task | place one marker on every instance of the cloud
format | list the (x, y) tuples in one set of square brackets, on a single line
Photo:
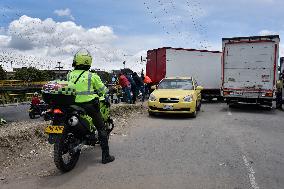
[(42, 43), (268, 32), (64, 13)]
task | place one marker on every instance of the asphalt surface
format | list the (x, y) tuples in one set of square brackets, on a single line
[(236, 148), (13, 113)]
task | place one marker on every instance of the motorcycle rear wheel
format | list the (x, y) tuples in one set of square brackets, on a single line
[(61, 149)]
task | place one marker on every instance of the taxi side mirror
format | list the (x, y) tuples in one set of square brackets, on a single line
[(154, 87), (199, 88)]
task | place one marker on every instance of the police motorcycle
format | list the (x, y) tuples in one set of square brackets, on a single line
[(71, 128)]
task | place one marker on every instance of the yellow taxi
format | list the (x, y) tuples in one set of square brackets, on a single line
[(176, 95)]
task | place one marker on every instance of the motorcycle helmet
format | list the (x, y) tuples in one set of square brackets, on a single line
[(82, 58)]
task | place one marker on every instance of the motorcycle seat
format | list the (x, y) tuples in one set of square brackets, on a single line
[(78, 108)]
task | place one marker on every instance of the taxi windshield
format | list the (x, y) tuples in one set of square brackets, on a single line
[(184, 84)]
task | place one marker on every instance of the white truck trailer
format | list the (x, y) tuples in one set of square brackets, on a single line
[(203, 65), (249, 69)]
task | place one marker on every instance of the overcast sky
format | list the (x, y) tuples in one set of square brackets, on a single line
[(41, 33)]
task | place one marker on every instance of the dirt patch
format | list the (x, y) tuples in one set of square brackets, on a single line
[(25, 152)]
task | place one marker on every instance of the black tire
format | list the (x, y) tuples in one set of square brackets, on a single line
[(199, 106), (193, 115), (151, 114), (232, 105), (60, 148), (31, 115), (220, 99)]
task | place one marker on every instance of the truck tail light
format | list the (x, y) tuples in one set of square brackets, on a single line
[(269, 94), (226, 93)]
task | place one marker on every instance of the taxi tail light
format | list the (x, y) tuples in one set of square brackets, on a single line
[(57, 111)]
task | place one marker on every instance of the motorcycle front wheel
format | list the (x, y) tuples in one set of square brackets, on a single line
[(31, 115), (65, 158)]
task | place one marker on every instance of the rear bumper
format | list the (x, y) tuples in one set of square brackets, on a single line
[(263, 101)]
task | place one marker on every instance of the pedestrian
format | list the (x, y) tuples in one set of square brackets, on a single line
[(133, 88), (139, 85), (125, 85), (148, 83)]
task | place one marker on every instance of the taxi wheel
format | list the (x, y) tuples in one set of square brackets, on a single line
[(193, 114), (151, 113), (199, 106)]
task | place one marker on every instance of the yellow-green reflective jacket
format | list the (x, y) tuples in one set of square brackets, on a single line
[(88, 87)]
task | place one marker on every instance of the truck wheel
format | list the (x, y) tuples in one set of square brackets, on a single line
[(278, 105), (220, 99), (232, 105)]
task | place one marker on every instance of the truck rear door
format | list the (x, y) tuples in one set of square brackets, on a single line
[(249, 66)]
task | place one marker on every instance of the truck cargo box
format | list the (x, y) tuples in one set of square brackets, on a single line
[(203, 65), (249, 69)]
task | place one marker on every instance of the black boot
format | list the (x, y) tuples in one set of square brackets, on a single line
[(106, 158)]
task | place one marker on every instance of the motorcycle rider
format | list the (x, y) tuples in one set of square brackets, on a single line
[(35, 99), (35, 102), (89, 88)]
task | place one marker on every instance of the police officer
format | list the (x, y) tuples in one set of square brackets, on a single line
[(89, 88)]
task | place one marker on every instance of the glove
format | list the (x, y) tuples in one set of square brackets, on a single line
[(107, 100)]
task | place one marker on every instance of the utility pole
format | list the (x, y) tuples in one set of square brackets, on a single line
[(123, 64), (59, 67)]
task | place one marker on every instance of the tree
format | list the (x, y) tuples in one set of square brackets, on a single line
[(33, 74), (3, 73), (105, 76)]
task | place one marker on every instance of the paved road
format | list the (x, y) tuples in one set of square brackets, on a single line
[(222, 148), (14, 113)]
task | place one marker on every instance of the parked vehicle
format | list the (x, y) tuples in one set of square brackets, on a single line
[(71, 126), (176, 95), (249, 69), (203, 65), (280, 91)]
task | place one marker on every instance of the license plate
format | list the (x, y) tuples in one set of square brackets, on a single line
[(51, 129), (238, 93), (168, 107)]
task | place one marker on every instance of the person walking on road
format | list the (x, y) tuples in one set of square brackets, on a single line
[(139, 85), (125, 85), (148, 84), (133, 88)]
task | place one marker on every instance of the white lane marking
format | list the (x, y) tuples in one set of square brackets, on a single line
[(230, 113), (251, 173)]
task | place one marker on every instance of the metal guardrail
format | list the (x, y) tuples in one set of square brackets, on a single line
[(20, 83)]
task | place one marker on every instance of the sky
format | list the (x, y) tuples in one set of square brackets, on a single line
[(42, 33)]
